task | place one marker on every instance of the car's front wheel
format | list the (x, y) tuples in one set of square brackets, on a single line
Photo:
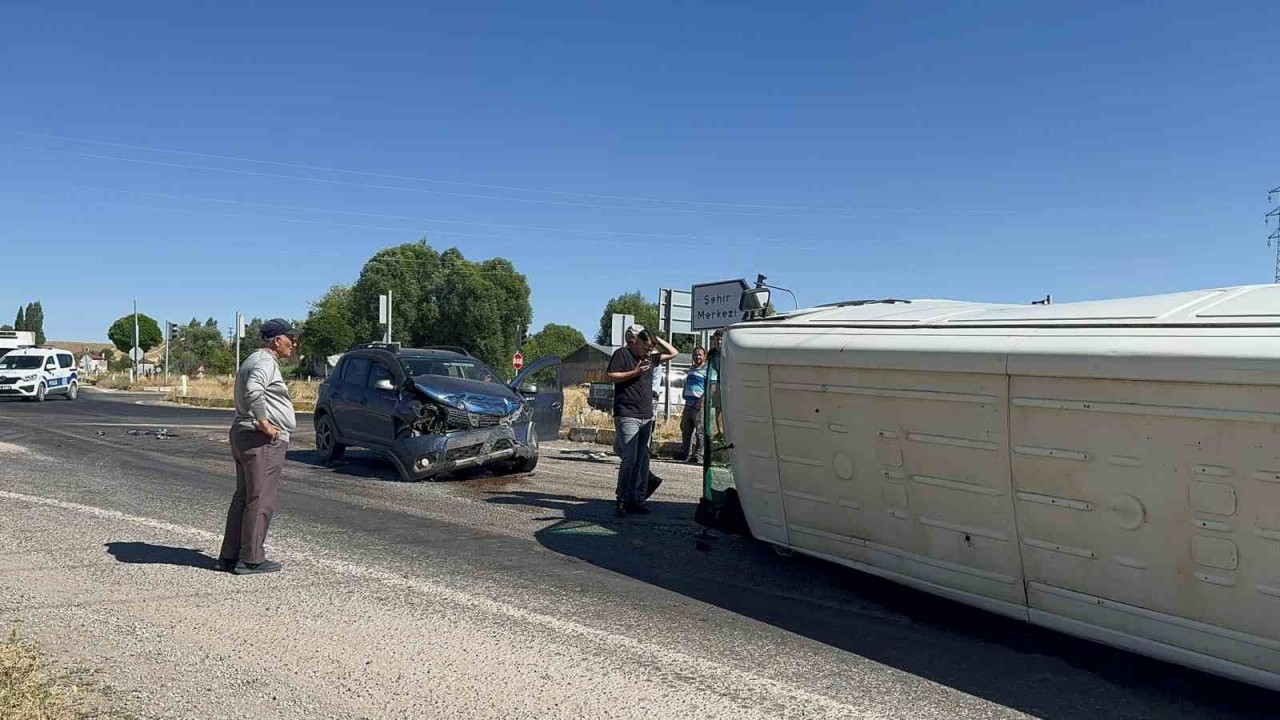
[(73, 392), (526, 465), (327, 440), (40, 393)]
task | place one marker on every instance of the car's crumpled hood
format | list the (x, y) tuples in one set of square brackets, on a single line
[(475, 396)]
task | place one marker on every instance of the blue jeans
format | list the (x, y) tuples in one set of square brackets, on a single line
[(632, 445)]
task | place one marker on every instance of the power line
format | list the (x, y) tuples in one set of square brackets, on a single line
[(319, 168), (323, 181), (446, 233), (758, 242)]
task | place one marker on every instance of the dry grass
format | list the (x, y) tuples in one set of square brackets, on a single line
[(577, 413), (220, 392), (33, 688), (114, 381)]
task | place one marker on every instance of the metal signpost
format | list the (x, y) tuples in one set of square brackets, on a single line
[(239, 334), (384, 314)]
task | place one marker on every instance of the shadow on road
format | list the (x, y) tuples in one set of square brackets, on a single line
[(1011, 663), (148, 554), (367, 465)]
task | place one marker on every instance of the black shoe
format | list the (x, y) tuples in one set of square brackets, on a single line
[(225, 565), (619, 509), (266, 566), (637, 508)]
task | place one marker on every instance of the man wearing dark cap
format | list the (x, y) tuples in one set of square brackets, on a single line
[(259, 438)]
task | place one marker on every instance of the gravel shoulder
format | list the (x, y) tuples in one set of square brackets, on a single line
[(489, 597)]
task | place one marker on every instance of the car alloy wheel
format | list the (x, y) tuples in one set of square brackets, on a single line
[(73, 391), (40, 393), (327, 442)]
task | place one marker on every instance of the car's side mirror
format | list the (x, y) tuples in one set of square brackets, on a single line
[(384, 384), (528, 388)]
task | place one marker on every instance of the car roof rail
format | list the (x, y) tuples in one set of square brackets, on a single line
[(393, 347), (449, 348)]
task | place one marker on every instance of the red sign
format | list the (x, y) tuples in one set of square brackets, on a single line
[(517, 360)]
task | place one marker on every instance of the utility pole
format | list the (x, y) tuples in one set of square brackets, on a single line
[(1274, 237), (239, 333), (168, 339), (137, 362), (389, 315)]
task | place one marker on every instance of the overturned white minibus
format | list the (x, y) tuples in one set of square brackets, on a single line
[(1108, 469)]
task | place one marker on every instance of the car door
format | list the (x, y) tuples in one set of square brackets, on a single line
[(377, 414), (540, 383), (347, 396), (52, 375), (66, 370)]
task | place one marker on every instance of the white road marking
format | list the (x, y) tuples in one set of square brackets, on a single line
[(715, 674), (147, 425)]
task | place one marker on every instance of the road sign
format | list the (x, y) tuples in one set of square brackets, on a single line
[(137, 354), (517, 360), (715, 305), (620, 325), (675, 310)]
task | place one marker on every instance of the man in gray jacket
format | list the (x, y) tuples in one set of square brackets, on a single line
[(259, 439)]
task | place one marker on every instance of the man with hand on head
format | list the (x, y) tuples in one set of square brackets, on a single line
[(259, 440), (631, 372)]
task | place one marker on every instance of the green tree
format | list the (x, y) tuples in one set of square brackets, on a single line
[(35, 321), (442, 299), (470, 313), (411, 273), (6, 327), (632, 303), (20, 323), (201, 344), (552, 339), (117, 362), (121, 333), (328, 330)]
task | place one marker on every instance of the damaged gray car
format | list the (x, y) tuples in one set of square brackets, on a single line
[(437, 410)]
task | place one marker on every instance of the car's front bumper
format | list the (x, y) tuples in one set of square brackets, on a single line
[(20, 390), (427, 456)]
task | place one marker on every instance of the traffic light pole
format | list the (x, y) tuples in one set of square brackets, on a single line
[(168, 340)]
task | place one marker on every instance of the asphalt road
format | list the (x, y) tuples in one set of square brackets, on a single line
[(489, 597)]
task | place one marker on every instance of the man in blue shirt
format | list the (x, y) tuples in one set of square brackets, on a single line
[(695, 386)]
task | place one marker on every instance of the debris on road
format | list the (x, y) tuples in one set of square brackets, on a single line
[(160, 434), (593, 455)]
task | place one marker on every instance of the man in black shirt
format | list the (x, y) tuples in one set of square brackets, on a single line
[(631, 372)]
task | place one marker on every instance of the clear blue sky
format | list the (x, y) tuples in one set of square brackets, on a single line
[(985, 151)]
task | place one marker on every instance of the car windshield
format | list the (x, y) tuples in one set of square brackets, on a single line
[(20, 362), (449, 367)]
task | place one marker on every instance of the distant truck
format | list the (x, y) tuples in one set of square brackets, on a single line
[(1107, 469)]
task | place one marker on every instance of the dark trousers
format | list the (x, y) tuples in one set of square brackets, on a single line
[(631, 442), (691, 429), (258, 466)]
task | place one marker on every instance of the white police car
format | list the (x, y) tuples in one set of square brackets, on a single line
[(33, 373)]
